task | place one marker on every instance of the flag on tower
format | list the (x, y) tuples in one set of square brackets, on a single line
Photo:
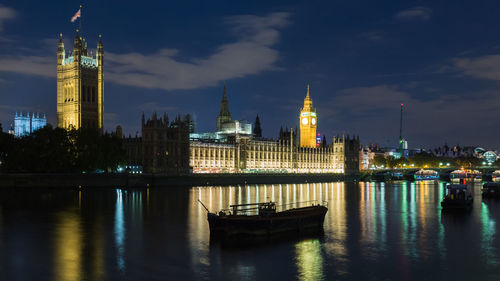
[(77, 15)]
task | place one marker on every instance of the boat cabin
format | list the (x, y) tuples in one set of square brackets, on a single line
[(495, 176), (467, 174), (426, 175), (263, 209), (491, 189), (457, 191)]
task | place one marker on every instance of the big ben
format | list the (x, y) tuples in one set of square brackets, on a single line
[(308, 122)]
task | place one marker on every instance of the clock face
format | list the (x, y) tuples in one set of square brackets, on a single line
[(304, 121), (313, 121)]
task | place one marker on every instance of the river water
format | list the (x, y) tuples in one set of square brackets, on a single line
[(372, 231)]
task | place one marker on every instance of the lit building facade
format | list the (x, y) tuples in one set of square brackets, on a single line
[(275, 156), (80, 86), (27, 124), (308, 123), (233, 149), (22, 125), (169, 148)]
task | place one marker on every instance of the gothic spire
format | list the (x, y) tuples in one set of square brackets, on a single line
[(224, 114), (257, 130), (224, 107)]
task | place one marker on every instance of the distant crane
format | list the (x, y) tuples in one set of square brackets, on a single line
[(402, 143)]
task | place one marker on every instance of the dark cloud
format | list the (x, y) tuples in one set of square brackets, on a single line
[(150, 107), (250, 54), (5, 15), (373, 112), (30, 65), (482, 67), (414, 14), (374, 36)]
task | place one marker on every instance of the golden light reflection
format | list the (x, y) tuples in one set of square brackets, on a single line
[(412, 240), (309, 260), (98, 259), (336, 222), (68, 243), (286, 196), (422, 237)]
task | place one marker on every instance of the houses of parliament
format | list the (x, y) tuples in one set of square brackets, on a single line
[(234, 149), (173, 147)]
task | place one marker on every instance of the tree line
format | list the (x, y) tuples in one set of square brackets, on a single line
[(424, 159), (56, 150)]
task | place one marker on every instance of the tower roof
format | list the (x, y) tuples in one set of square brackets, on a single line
[(308, 101), (224, 105)]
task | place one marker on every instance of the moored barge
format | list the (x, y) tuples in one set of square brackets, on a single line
[(267, 221), (458, 197), (491, 189)]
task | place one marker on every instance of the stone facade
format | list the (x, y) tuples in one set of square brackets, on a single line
[(80, 86), (165, 146), (275, 156)]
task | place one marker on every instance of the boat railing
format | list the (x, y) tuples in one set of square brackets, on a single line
[(302, 203), (250, 208)]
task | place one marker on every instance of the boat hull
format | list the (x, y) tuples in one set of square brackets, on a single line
[(456, 204), (297, 221), (491, 193)]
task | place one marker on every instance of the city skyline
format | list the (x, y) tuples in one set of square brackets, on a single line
[(361, 64)]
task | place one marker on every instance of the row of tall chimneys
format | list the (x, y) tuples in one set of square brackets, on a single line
[(27, 115), (345, 138)]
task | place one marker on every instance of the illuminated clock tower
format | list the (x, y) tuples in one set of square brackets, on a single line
[(308, 122)]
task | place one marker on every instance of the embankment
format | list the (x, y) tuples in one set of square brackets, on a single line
[(150, 180)]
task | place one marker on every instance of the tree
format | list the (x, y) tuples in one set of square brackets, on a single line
[(379, 160), (56, 150)]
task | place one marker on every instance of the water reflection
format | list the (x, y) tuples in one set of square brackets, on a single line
[(69, 245), (309, 260), (119, 230), (336, 220), (487, 235), (394, 231)]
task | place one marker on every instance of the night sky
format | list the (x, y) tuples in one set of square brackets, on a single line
[(362, 59)]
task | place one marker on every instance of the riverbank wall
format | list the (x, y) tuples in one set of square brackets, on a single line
[(152, 180)]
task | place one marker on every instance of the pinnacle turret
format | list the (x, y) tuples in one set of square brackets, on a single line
[(224, 114)]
